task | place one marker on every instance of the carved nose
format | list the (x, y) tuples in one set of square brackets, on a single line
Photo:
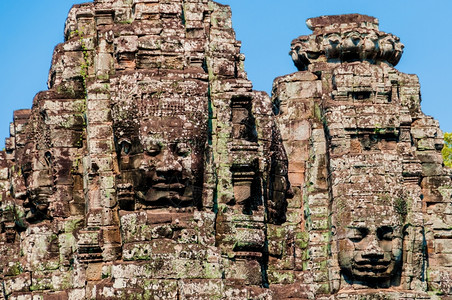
[(373, 249), (169, 163)]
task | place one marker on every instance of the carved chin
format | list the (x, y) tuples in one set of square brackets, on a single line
[(368, 270)]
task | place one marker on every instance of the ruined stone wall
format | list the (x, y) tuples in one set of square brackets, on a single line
[(151, 169)]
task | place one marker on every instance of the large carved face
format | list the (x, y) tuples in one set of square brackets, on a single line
[(370, 244), (369, 164), (370, 207), (161, 166), (160, 130)]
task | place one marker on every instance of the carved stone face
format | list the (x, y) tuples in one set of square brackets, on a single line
[(332, 45), (370, 208), (369, 177), (386, 46), (370, 251), (161, 168), (38, 177), (37, 203)]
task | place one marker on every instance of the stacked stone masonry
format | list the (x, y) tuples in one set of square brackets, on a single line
[(150, 168)]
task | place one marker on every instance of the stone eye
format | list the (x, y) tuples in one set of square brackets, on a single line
[(357, 234), (385, 233), (154, 149), (182, 149), (125, 147)]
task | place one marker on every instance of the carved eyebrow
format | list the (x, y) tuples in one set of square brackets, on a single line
[(362, 230), (383, 231), (386, 228), (357, 234), (122, 140)]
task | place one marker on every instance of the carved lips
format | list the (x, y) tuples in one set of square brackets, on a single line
[(371, 267), (167, 189)]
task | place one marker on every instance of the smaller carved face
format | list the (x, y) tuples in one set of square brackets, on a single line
[(332, 45), (352, 40), (37, 203), (38, 177), (370, 42), (370, 252), (386, 46)]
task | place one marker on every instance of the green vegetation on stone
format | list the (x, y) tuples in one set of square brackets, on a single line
[(447, 150)]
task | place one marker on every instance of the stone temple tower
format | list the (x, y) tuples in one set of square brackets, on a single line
[(151, 169), (365, 165)]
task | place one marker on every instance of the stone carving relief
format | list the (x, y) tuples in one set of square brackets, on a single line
[(366, 165), (38, 177), (370, 253), (360, 43), (151, 168), (160, 163)]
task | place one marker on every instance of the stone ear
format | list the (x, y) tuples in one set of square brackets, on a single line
[(48, 158), (405, 232)]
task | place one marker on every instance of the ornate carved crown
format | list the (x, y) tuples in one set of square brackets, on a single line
[(345, 38)]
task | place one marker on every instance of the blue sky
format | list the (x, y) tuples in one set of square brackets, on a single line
[(31, 29)]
